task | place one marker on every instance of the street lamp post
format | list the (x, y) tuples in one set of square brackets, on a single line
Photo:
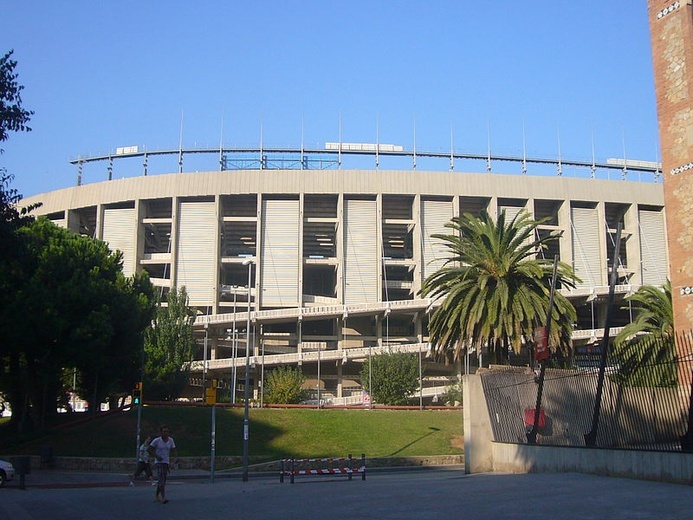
[(204, 366), (246, 422), (235, 349)]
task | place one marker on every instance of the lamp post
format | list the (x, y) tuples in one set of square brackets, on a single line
[(246, 422), (204, 365), (235, 348)]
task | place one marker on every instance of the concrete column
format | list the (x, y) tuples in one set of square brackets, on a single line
[(478, 436), (340, 381)]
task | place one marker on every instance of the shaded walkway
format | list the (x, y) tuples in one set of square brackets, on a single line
[(430, 494)]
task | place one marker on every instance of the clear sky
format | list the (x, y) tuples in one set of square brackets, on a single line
[(101, 75)]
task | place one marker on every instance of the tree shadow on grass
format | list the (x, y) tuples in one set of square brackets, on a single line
[(433, 431)]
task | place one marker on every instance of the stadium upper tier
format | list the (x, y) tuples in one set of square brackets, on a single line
[(336, 257), (345, 155)]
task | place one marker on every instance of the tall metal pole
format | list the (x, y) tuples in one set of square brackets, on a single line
[(139, 406), (370, 378), (204, 366), (532, 434), (235, 349), (213, 447), (420, 383), (246, 422), (591, 436), (262, 371)]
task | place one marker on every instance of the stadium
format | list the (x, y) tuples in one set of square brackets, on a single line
[(315, 257)]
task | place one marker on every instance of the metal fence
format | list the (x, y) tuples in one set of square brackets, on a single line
[(646, 401)]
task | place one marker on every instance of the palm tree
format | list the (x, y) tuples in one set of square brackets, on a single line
[(644, 349), (495, 289)]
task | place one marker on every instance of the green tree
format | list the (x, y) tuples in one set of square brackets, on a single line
[(453, 394), (284, 385), (13, 117), (114, 364), (645, 349), (394, 376), (74, 310), (495, 289), (169, 347)]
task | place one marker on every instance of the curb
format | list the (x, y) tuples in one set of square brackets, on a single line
[(223, 475)]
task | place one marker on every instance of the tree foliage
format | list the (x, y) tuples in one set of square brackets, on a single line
[(65, 306), (394, 376), (495, 287), (453, 394), (72, 309), (13, 117), (284, 385), (169, 347), (645, 349)]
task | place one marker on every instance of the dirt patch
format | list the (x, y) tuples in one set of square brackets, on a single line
[(457, 441)]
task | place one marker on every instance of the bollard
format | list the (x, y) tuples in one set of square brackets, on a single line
[(22, 467)]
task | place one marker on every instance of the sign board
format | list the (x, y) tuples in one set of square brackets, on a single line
[(210, 395), (541, 343)]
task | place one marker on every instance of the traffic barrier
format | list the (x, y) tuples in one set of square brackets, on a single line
[(327, 466)]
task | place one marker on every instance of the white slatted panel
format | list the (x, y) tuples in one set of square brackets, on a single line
[(197, 233), (434, 215), (280, 259), (586, 258), (60, 222), (510, 212), (653, 251), (119, 232), (360, 252)]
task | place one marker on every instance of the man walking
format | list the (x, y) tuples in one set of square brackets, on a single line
[(143, 461), (161, 449)]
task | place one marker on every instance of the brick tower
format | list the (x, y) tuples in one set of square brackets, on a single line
[(671, 32)]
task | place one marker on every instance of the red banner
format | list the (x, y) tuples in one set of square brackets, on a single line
[(541, 343)]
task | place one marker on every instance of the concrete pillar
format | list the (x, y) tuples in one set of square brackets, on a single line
[(478, 436)]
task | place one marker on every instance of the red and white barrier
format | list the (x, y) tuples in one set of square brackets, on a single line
[(344, 466)]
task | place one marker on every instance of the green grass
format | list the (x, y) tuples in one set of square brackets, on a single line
[(274, 433)]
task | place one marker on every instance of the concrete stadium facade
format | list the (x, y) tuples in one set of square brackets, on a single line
[(336, 258)]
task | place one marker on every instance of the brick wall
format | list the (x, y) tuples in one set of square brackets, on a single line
[(671, 31)]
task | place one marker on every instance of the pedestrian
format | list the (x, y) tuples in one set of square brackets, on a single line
[(143, 461), (161, 449)]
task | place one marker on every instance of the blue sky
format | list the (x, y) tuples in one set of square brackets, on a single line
[(101, 75)]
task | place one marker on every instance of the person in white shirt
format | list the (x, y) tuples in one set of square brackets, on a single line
[(143, 461), (161, 449)]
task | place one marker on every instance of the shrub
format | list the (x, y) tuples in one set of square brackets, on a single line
[(395, 376), (284, 386)]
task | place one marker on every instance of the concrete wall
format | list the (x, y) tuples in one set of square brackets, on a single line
[(645, 465), (478, 436)]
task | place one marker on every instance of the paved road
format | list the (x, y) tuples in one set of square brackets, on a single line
[(432, 494)]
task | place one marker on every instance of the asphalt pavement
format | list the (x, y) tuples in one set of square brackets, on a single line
[(430, 494)]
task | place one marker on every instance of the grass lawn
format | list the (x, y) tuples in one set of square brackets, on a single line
[(274, 433)]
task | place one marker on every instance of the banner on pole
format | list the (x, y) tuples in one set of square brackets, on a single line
[(541, 343)]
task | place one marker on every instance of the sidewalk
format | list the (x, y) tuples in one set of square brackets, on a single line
[(61, 479), (439, 494)]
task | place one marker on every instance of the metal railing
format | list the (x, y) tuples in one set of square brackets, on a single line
[(646, 401)]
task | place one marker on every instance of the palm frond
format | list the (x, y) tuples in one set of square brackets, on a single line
[(494, 289)]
